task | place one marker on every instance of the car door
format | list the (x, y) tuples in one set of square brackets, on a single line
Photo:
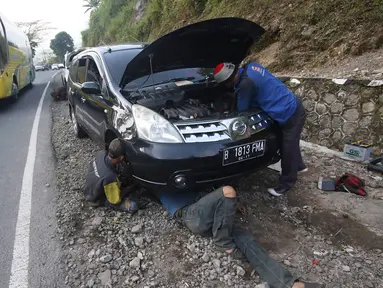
[(79, 97), (96, 106)]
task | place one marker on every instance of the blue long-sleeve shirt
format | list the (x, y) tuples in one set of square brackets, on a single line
[(257, 87)]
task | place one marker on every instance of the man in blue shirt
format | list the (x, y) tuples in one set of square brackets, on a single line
[(254, 86), (214, 214)]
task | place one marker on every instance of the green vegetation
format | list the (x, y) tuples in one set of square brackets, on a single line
[(61, 44), (306, 31)]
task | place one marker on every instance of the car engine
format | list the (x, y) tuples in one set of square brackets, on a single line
[(174, 103)]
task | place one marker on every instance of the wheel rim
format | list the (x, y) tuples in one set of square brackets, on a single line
[(15, 90), (75, 125)]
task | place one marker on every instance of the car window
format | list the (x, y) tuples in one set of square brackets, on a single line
[(81, 69), (73, 71), (3, 47), (93, 74), (116, 62)]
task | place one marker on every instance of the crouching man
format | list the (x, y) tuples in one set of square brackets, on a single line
[(103, 186), (214, 215)]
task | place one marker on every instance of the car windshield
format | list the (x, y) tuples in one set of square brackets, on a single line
[(117, 61), (188, 74)]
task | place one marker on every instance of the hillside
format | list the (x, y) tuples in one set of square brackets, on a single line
[(300, 33)]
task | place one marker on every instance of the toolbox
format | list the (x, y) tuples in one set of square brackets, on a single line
[(358, 150)]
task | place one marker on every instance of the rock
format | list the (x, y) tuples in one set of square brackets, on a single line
[(97, 221), (91, 253), (287, 262), (369, 262), (137, 228), (365, 122), (321, 108), (312, 117), (140, 255), (337, 136), (308, 31), (240, 271), (90, 283), (346, 268), (205, 257), (166, 213), (263, 285), (349, 128), (308, 105), (342, 95), (139, 241), (352, 100), (329, 98), (135, 278), (216, 263), (351, 114), (337, 122), (81, 241), (106, 258), (325, 132), (313, 95), (325, 120), (47, 185), (135, 263), (336, 108), (368, 107), (105, 277)]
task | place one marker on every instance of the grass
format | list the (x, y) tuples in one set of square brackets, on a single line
[(340, 27)]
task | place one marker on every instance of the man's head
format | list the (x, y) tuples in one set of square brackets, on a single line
[(226, 73), (116, 151)]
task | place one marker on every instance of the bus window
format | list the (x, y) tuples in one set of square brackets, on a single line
[(3, 47)]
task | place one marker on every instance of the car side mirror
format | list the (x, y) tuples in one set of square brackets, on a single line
[(91, 88)]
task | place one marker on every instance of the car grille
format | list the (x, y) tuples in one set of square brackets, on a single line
[(218, 130), (203, 131)]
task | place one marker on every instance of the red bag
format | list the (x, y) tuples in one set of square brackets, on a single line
[(351, 183)]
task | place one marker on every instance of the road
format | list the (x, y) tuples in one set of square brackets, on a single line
[(27, 172)]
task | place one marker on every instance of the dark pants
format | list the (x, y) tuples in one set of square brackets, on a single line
[(214, 214), (292, 161)]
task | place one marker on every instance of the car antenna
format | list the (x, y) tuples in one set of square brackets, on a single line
[(151, 75)]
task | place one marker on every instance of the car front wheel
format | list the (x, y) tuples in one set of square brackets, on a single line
[(77, 129)]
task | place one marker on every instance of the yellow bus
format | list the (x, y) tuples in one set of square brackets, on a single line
[(16, 63)]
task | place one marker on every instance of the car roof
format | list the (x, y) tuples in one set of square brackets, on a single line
[(110, 48)]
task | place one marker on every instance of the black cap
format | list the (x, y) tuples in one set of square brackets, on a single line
[(116, 148)]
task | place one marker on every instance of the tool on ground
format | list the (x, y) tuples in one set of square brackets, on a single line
[(326, 184), (376, 165)]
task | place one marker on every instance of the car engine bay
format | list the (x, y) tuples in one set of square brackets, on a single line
[(175, 103)]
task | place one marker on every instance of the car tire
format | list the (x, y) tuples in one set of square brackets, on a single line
[(15, 92), (77, 129)]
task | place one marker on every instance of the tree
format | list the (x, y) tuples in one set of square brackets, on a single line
[(91, 4), (35, 30), (61, 44)]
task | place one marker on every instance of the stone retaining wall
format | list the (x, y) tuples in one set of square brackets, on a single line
[(337, 113)]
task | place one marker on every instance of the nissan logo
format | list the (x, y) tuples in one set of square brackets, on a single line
[(239, 127)]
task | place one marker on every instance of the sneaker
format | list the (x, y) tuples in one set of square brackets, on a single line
[(299, 171), (238, 255), (303, 170), (278, 191)]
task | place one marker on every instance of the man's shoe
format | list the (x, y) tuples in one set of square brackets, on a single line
[(299, 171), (303, 170), (238, 255), (278, 191)]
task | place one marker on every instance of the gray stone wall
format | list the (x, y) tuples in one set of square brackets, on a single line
[(337, 113)]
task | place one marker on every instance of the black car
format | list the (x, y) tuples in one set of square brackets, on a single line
[(163, 101)]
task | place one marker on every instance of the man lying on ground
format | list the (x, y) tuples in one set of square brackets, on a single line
[(103, 186), (214, 215)]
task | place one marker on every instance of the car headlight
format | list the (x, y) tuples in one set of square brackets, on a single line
[(153, 127)]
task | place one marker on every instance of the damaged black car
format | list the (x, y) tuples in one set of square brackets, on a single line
[(178, 124)]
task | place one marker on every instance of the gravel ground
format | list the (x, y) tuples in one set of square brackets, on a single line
[(107, 248)]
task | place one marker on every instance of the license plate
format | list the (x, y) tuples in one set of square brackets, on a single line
[(243, 152)]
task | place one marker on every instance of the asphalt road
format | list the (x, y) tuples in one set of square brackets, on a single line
[(16, 121)]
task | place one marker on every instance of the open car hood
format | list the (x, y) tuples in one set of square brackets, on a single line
[(204, 44)]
